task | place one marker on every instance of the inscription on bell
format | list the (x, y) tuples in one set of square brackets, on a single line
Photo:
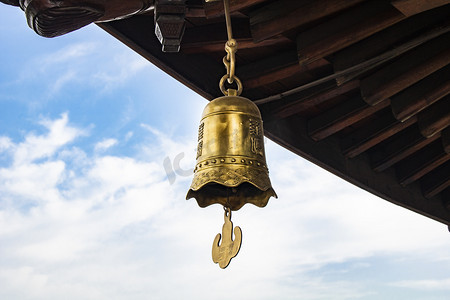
[(200, 140), (256, 137)]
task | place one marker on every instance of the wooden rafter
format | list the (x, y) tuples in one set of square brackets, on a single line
[(421, 95), (435, 118), (436, 181), (421, 163), (341, 116), (407, 70), (412, 7), (372, 134), (345, 29), (398, 147), (284, 15)]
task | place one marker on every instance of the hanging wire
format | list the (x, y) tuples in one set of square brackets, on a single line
[(230, 59), (226, 4)]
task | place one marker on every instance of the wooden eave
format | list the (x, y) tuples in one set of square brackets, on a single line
[(360, 88)]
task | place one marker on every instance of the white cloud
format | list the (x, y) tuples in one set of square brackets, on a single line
[(61, 81), (68, 54), (71, 67), (125, 65), (433, 284), (110, 227), (128, 136), (43, 146), (5, 143), (105, 144)]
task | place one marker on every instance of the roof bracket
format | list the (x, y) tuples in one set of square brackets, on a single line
[(170, 23)]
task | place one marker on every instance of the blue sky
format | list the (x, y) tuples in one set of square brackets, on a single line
[(89, 131)]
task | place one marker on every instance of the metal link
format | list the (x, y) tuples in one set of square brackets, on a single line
[(227, 212), (236, 80), (230, 59)]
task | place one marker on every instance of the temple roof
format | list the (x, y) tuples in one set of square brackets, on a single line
[(360, 88)]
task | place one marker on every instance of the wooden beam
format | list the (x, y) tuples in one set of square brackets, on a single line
[(274, 68), (435, 118), (291, 133), (421, 95), (341, 116), (446, 139), (300, 73), (398, 147), (303, 103), (345, 29), (215, 9), (446, 200), (412, 7), (268, 65), (270, 69), (202, 47), (195, 12), (372, 134), (392, 40), (276, 75), (436, 181), (215, 33), (421, 163), (284, 15), (407, 70)]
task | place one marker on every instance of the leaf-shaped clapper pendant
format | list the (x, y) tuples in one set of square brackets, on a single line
[(222, 253)]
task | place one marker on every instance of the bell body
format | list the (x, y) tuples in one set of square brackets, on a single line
[(231, 167)]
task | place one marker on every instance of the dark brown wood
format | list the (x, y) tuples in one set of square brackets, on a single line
[(436, 181), (373, 134), (345, 29), (421, 95), (412, 7), (435, 118), (421, 163), (55, 18), (396, 39), (407, 70), (279, 74), (170, 23), (261, 79), (215, 9), (202, 47), (304, 103), (271, 69), (212, 37), (216, 33), (446, 200), (281, 16), (195, 12), (341, 116), (268, 65), (291, 134), (446, 139), (11, 2), (398, 147)]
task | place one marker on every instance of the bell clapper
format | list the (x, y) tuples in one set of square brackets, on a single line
[(222, 253)]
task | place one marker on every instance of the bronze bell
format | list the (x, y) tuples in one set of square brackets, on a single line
[(231, 167)]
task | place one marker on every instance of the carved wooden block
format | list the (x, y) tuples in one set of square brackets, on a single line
[(51, 18), (170, 23)]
